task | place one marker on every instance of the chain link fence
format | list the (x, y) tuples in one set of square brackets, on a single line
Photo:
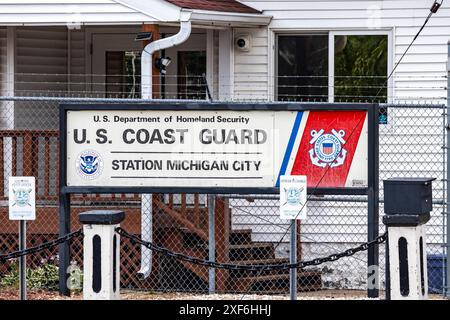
[(248, 229)]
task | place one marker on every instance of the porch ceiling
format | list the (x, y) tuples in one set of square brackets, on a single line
[(120, 12)]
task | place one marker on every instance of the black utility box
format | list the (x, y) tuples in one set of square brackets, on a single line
[(408, 195)]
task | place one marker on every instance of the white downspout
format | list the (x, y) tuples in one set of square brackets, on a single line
[(147, 56), (146, 90)]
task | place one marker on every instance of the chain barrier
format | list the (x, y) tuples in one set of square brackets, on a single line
[(41, 247), (269, 267)]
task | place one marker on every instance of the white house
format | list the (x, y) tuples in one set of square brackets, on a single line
[(257, 50)]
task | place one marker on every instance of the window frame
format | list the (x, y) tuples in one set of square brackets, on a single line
[(275, 67), (331, 58), (331, 65)]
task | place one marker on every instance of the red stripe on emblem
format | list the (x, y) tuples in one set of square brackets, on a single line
[(341, 128)]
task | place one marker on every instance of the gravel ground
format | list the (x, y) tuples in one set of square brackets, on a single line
[(12, 294)]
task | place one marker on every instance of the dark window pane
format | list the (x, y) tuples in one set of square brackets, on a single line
[(302, 68), (123, 74), (191, 68), (360, 68)]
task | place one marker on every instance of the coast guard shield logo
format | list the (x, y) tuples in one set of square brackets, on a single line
[(293, 196), (22, 197), (327, 148), (89, 164)]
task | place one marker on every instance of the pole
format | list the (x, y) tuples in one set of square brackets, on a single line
[(23, 260), (447, 207), (211, 243), (293, 259), (64, 248), (373, 197)]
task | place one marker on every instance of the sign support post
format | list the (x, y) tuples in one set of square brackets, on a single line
[(293, 259), (293, 198), (23, 260), (211, 243), (373, 202), (64, 223), (64, 248)]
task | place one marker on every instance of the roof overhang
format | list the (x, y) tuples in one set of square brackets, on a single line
[(118, 12)]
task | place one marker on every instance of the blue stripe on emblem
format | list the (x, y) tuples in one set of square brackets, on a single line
[(287, 155)]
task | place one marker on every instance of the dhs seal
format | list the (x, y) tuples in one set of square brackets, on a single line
[(89, 164), (327, 148)]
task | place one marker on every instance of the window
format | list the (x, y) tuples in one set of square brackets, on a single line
[(191, 70), (123, 74), (303, 68), (360, 68), (354, 69)]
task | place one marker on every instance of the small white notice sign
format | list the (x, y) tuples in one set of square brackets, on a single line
[(293, 195), (22, 198)]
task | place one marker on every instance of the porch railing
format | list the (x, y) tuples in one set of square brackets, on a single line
[(35, 147)]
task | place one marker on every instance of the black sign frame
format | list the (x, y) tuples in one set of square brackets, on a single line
[(371, 191)]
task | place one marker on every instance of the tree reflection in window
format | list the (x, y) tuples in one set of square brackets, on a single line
[(360, 68)]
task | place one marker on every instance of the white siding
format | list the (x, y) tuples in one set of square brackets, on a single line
[(41, 70), (3, 105), (2, 58), (251, 68), (78, 79), (41, 51)]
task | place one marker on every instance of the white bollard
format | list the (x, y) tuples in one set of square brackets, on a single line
[(407, 204), (101, 254), (407, 262)]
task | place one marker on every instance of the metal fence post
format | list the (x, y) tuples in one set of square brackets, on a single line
[(64, 249), (447, 203), (211, 243), (373, 195), (293, 259), (23, 260)]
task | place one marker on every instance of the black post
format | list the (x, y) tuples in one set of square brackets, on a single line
[(23, 260), (64, 208), (64, 248), (373, 195)]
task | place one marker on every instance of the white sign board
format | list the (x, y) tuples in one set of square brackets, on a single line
[(22, 198), (215, 148), (293, 197)]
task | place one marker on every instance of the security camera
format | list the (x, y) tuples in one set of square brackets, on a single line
[(243, 42), (162, 63)]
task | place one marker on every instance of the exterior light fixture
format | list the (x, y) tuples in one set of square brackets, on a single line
[(162, 64), (144, 36)]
